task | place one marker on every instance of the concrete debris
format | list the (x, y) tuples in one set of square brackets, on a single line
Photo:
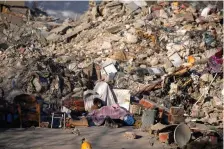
[(206, 77), (61, 29), (76, 132), (130, 135), (131, 38), (76, 30), (168, 56)]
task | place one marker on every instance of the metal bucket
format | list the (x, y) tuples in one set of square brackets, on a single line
[(182, 134)]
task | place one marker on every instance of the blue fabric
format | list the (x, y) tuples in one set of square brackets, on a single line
[(9, 118), (129, 120)]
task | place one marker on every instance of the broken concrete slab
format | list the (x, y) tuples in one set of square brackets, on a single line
[(114, 29), (77, 30), (61, 29), (53, 37)]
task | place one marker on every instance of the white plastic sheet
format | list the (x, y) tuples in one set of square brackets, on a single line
[(123, 97), (101, 91), (105, 93)]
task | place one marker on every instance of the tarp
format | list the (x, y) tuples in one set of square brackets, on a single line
[(101, 91)]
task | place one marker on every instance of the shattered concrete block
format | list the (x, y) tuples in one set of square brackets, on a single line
[(143, 66), (212, 120), (53, 37), (184, 17), (206, 77), (141, 56), (150, 52), (172, 47), (114, 29), (154, 61), (131, 38), (167, 64), (176, 60), (130, 135), (61, 29), (173, 88), (163, 14), (72, 66), (106, 45), (217, 102), (76, 30), (139, 23), (157, 126)]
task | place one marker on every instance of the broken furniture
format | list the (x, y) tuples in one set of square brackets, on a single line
[(28, 109), (58, 115)]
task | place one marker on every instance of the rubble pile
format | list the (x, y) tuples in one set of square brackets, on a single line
[(167, 55)]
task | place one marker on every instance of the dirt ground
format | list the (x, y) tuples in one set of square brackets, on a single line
[(100, 138)]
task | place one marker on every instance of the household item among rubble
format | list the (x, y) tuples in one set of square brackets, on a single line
[(123, 97), (182, 134), (60, 116), (129, 120), (148, 119), (110, 71), (28, 109)]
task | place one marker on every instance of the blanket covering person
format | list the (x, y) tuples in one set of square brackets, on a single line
[(114, 112)]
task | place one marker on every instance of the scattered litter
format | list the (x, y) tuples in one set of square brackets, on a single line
[(157, 66)]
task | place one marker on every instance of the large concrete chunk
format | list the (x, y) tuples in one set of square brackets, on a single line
[(60, 29), (76, 30), (53, 37), (114, 29)]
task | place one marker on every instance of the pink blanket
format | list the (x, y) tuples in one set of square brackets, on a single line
[(114, 112)]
